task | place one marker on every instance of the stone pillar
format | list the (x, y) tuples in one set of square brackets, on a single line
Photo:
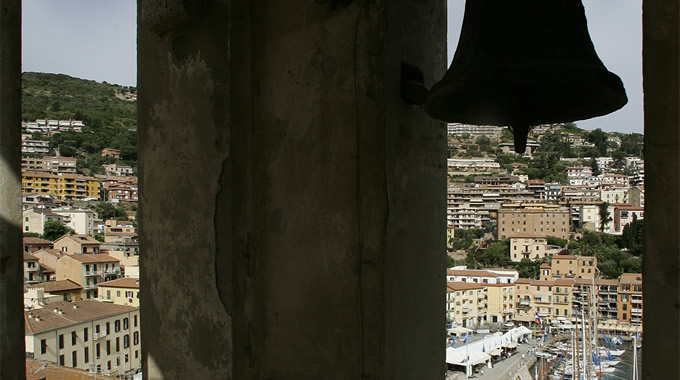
[(293, 206), (12, 355), (661, 260)]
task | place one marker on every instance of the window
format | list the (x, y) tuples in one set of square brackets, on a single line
[(43, 346), (73, 338), (116, 325), (61, 360), (118, 361), (625, 316), (108, 347), (625, 306), (98, 351), (86, 354), (117, 344), (127, 359), (108, 294), (108, 328), (135, 338), (74, 358), (136, 354), (126, 341), (117, 293), (126, 323), (85, 335), (96, 329), (61, 341)]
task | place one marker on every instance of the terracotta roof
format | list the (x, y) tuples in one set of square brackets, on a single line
[(29, 257), (57, 286), (564, 257), (80, 239), (564, 282), (545, 265), (523, 281), (72, 313), (471, 272), (88, 258), (631, 278), (46, 269), (121, 283), (39, 370), (51, 251), (35, 240), (453, 286)]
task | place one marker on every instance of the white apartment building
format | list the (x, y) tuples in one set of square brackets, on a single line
[(80, 220), (481, 276), (78, 334), (473, 165)]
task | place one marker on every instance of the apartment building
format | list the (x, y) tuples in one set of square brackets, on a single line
[(31, 269), (550, 299), (588, 215), (86, 332), (473, 165), (604, 295), (67, 290), (88, 270), (614, 194), (76, 244), (121, 291), (80, 220), (482, 276), (49, 127), (630, 299), (63, 186), (33, 220), (466, 304), (500, 302), (490, 131), (570, 266), (577, 175), (118, 170), (49, 164), (119, 232), (543, 219), (32, 244), (36, 200), (528, 246), (121, 189), (30, 146), (110, 152), (624, 215), (636, 196), (48, 256)]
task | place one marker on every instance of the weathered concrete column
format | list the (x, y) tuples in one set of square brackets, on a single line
[(12, 349), (661, 261), (183, 71), (293, 206)]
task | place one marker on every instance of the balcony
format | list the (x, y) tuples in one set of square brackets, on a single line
[(100, 335), (636, 311), (32, 269), (93, 273), (89, 286), (508, 311), (636, 300)]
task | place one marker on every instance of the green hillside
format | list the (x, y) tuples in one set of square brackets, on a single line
[(110, 118)]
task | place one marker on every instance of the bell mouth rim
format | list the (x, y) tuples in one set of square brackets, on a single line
[(533, 104)]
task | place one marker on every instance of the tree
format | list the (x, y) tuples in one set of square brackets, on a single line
[(552, 240), (594, 166), (605, 216), (53, 230), (31, 234)]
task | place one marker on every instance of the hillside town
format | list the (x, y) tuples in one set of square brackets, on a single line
[(521, 248)]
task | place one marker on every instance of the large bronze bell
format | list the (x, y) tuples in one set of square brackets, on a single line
[(522, 63)]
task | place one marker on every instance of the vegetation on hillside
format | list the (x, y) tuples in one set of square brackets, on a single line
[(110, 120)]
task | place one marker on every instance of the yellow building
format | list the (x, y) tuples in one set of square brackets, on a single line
[(550, 299), (570, 266), (65, 186), (466, 304), (123, 291), (500, 302), (542, 219)]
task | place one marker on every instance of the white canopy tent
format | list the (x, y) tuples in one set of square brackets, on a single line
[(484, 346)]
